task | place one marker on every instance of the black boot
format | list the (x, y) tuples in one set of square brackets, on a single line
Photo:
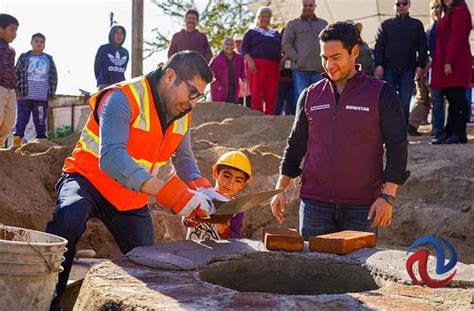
[(455, 139), (439, 140)]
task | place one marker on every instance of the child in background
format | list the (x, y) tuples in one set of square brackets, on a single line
[(8, 28), (37, 82), (232, 173)]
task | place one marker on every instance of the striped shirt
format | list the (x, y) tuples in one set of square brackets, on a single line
[(7, 65), (38, 68)]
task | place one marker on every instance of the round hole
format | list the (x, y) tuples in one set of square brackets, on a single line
[(291, 276)]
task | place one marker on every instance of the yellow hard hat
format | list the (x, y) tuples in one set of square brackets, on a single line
[(235, 159)]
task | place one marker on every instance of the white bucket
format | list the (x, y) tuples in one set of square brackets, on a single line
[(29, 265)]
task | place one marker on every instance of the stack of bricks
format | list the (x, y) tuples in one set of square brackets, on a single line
[(342, 243), (280, 239)]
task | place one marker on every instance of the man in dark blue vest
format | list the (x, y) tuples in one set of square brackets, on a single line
[(341, 126)]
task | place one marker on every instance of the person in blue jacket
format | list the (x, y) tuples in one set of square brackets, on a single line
[(111, 59)]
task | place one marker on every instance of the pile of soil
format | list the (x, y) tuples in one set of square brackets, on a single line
[(436, 200)]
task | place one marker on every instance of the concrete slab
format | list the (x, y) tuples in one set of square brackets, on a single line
[(189, 255)]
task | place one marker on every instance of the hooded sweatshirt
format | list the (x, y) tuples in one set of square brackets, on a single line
[(111, 60)]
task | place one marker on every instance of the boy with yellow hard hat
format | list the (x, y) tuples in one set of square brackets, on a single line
[(232, 173)]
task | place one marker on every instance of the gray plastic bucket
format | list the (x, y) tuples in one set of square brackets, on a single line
[(29, 265)]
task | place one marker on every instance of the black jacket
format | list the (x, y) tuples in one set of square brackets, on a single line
[(401, 44)]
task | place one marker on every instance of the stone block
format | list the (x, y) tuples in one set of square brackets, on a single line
[(281, 239), (342, 243)]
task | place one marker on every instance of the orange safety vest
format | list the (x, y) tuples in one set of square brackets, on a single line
[(148, 145)]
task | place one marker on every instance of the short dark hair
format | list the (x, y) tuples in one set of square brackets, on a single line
[(221, 167), (38, 35), (341, 31), (6, 19), (192, 11), (189, 64)]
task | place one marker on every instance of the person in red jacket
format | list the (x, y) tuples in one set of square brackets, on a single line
[(451, 69)]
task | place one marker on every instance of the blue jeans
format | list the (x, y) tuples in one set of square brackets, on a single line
[(285, 99), (469, 104), (303, 79), (77, 202), (437, 99), (27, 107), (403, 83), (318, 218)]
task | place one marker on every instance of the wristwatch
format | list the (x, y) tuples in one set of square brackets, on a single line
[(389, 198)]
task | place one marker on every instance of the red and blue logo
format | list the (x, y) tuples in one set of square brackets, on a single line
[(422, 258)]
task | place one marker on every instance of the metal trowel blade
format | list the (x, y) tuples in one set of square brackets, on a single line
[(246, 202)]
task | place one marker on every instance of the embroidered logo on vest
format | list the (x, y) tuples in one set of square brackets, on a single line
[(358, 108), (319, 107)]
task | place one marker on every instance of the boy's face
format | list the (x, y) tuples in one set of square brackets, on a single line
[(9, 33), (230, 181), (37, 44), (118, 36)]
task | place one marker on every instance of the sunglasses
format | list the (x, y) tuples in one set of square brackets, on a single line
[(308, 5), (193, 91), (401, 3)]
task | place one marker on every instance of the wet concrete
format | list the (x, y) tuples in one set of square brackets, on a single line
[(241, 274)]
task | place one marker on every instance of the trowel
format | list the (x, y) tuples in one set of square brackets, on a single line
[(245, 202), (225, 210)]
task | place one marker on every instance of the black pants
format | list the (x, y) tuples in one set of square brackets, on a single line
[(457, 111)]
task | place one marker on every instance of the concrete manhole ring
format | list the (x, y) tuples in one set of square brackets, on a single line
[(241, 274)]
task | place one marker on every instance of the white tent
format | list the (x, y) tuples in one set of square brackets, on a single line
[(368, 12)]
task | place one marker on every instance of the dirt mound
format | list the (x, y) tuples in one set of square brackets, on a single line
[(208, 112), (436, 200)]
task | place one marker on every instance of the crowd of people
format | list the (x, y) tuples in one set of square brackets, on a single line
[(267, 70), (278, 65)]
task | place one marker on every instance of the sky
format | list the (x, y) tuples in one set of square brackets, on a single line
[(74, 31)]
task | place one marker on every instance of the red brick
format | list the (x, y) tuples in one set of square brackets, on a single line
[(280, 239), (342, 243)]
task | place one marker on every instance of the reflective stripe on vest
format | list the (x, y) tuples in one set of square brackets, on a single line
[(180, 126), (138, 89), (89, 142)]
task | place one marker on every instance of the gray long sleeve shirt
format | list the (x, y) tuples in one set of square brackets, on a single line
[(115, 160), (301, 43)]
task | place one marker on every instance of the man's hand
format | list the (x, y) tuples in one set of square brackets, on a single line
[(200, 206), (176, 195), (378, 72), (213, 194), (419, 73), (383, 213), (448, 70), (278, 205), (252, 66)]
